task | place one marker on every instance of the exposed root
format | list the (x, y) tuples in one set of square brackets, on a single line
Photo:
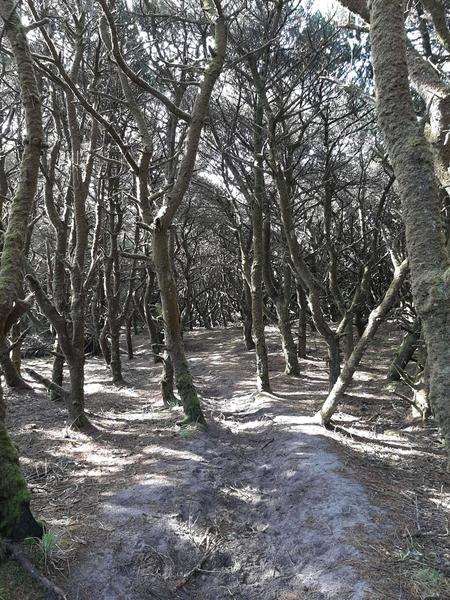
[(14, 552)]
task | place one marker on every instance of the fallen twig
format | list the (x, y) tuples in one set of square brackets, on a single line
[(26, 564), (192, 572), (409, 401), (267, 443), (210, 547)]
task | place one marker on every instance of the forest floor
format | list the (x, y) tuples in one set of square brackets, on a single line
[(263, 505)]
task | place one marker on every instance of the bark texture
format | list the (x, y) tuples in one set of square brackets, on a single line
[(163, 222), (16, 520), (375, 319), (262, 364), (413, 166), (405, 352)]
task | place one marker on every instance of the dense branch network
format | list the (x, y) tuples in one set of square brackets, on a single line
[(214, 165)]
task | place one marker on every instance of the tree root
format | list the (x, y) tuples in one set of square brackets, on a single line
[(14, 552), (190, 421)]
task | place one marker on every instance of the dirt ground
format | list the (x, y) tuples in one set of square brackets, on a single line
[(263, 505)]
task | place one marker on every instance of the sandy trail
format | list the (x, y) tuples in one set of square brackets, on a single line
[(259, 507)]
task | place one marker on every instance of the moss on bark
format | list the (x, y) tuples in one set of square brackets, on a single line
[(13, 488), (189, 399)]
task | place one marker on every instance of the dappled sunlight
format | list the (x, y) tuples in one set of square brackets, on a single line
[(183, 454), (200, 200), (246, 494), (99, 387), (306, 393), (264, 469), (300, 421)]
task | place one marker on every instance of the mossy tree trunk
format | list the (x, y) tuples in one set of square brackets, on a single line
[(163, 222), (174, 341), (16, 520), (10, 349), (167, 379), (12, 377), (412, 162)]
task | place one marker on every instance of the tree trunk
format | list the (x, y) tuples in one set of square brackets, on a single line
[(287, 340), (135, 322), (116, 362), (172, 325), (279, 291), (152, 327), (262, 364), (164, 218), (405, 352), (412, 162), (304, 276), (77, 416), (12, 377), (421, 401), (302, 320), (349, 341), (57, 371), (16, 520), (376, 318), (104, 343), (334, 360), (16, 357), (246, 312), (129, 338), (168, 396)]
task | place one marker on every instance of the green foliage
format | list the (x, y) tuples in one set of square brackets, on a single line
[(172, 402), (425, 572), (46, 547), (186, 433), (432, 578)]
